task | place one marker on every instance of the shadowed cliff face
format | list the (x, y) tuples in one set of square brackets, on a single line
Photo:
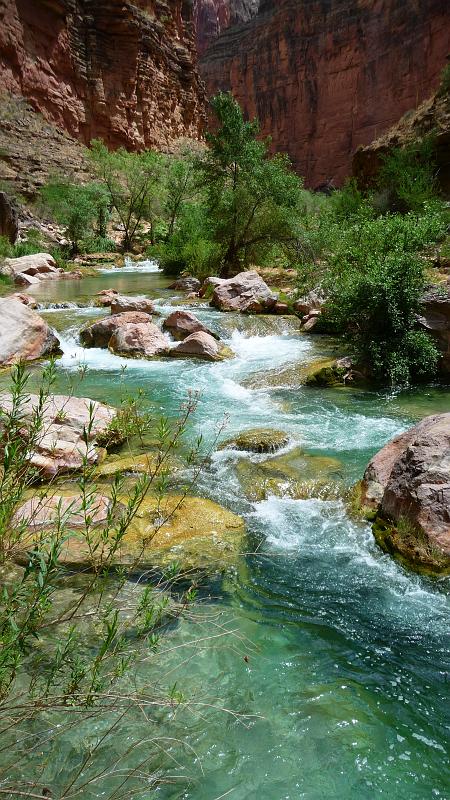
[(325, 76), (214, 16), (123, 71)]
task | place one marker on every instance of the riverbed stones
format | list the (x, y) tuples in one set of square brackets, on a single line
[(181, 324), (138, 340), (408, 484), (67, 422), (203, 346), (98, 334), (246, 292), (106, 297), (24, 335), (258, 440)]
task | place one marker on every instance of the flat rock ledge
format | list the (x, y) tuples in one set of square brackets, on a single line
[(406, 487)]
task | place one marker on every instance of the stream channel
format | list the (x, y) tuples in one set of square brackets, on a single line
[(338, 655)]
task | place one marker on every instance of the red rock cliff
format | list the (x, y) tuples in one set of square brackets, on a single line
[(325, 76), (122, 70), (214, 16)]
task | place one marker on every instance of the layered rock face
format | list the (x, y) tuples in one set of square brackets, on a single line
[(122, 70), (214, 16), (324, 77)]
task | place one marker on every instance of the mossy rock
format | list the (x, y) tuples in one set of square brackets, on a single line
[(138, 463), (356, 506), (327, 375), (410, 546), (196, 533), (297, 475), (258, 440)]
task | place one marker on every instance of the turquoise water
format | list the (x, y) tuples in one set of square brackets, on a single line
[(319, 668)]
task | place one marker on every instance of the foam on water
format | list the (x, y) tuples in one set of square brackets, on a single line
[(133, 266)]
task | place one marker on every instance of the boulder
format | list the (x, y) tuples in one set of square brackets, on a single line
[(195, 532), (138, 340), (281, 308), (181, 324), (246, 292), (98, 333), (258, 440), (38, 263), (296, 474), (313, 301), (408, 484), (46, 511), (121, 304), (106, 297), (187, 284), (208, 286), (26, 299), (24, 335), (61, 447), (9, 223), (201, 345)]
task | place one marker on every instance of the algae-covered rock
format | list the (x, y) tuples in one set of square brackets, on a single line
[(138, 463), (192, 531), (258, 440), (297, 474)]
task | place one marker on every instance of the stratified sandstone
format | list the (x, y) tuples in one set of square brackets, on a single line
[(122, 70), (214, 16), (324, 78)]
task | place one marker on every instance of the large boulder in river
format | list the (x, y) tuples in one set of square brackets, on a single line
[(120, 304), (182, 323), (139, 340), (9, 223), (245, 292), (106, 297), (98, 333), (61, 445), (408, 484), (24, 335), (201, 345)]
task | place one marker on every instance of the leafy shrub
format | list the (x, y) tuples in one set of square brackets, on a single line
[(189, 248), (78, 208), (408, 174)]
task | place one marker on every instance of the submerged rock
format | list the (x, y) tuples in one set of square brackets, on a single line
[(181, 324), (139, 463), (60, 447), (297, 474), (139, 340), (192, 531), (245, 292), (408, 484), (98, 334), (24, 335), (201, 345), (258, 440)]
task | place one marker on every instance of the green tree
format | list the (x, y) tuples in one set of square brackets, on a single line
[(408, 175), (77, 208), (133, 182), (180, 188), (251, 197)]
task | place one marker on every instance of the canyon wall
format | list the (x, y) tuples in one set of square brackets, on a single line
[(325, 76), (214, 16), (121, 70)]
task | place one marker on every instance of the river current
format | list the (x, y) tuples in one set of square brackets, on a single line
[(320, 667)]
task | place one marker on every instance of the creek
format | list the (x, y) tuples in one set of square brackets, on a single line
[(338, 657)]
